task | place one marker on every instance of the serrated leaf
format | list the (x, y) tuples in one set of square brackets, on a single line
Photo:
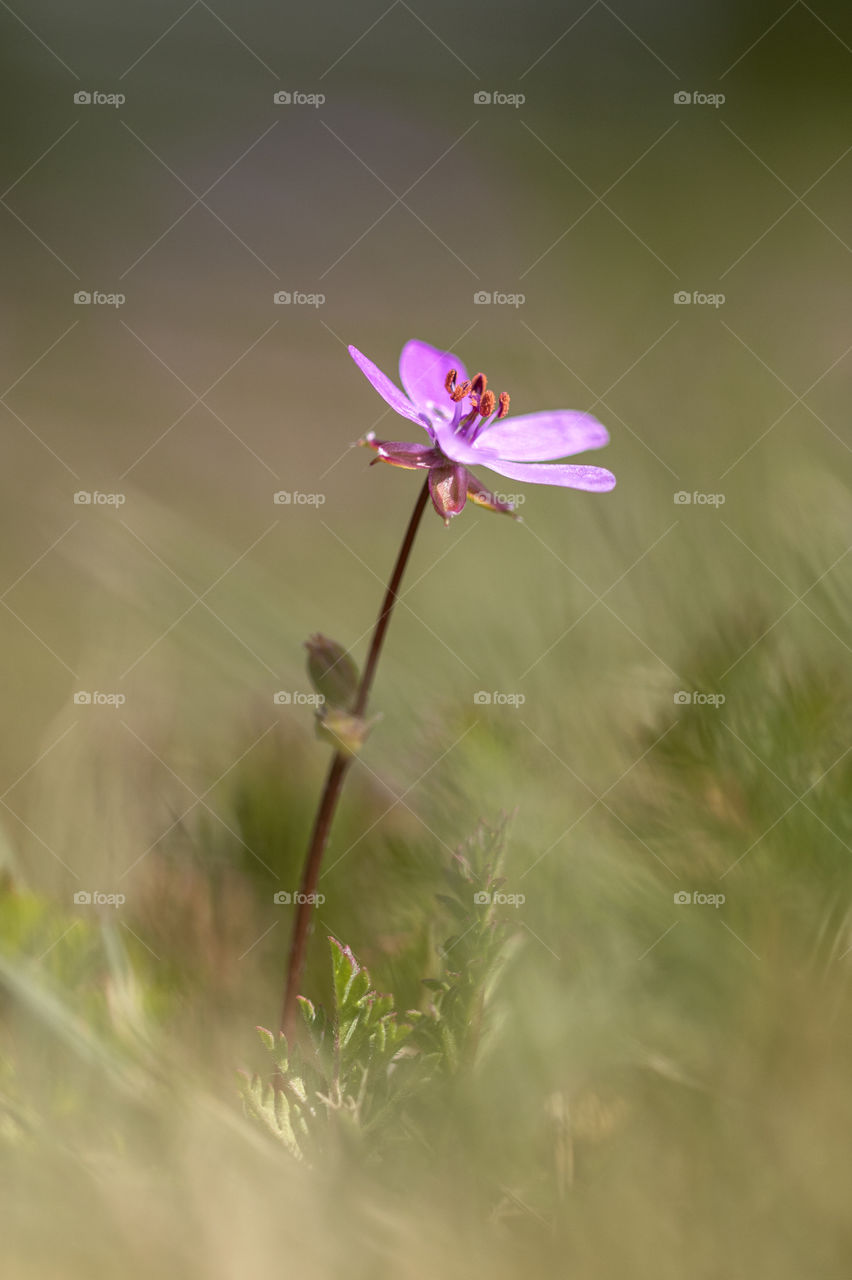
[(345, 969), (347, 1032), (307, 1009), (382, 1006), (297, 1085), (357, 990), (282, 1108), (266, 1037)]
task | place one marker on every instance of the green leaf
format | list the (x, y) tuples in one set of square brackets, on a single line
[(308, 1010), (345, 969), (459, 910)]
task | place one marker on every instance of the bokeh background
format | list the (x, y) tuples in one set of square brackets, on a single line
[(659, 152)]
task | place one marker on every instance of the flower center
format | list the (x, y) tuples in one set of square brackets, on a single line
[(472, 417)]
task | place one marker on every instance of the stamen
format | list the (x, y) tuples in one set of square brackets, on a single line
[(487, 403), (479, 383), (504, 404), (450, 380), (462, 390)]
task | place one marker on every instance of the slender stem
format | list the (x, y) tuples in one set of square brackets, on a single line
[(336, 775)]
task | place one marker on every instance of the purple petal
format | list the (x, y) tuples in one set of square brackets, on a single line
[(595, 479), (400, 453), (386, 389), (423, 372), (478, 493), (540, 437), (458, 449)]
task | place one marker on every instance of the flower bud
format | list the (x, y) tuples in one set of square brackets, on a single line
[(332, 672)]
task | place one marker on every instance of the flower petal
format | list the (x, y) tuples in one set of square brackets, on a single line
[(540, 437), (400, 453), (458, 449), (386, 389), (478, 493), (595, 479), (448, 489), (423, 372)]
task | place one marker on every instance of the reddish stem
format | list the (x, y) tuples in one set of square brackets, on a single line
[(334, 781)]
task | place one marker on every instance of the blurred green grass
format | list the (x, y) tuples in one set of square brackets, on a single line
[(680, 1065)]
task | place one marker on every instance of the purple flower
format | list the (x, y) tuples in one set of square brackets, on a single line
[(467, 426)]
